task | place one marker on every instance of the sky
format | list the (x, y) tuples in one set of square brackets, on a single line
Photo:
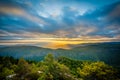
[(59, 22)]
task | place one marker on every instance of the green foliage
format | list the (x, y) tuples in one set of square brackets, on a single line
[(88, 70), (7, 67), (26, 70), (97, 71), (23, 67), (55, 69), (6, 72), (52, 70), (72, 64)]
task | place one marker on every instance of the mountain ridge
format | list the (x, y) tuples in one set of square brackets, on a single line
[(107, 52)]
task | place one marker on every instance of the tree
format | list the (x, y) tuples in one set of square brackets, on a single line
[(52, 70), (23, 68), (97, 71), (6, 72)]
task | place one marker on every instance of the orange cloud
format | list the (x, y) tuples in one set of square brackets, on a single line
[(55, 43)]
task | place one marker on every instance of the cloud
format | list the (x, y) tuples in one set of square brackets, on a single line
[(23, 35), (115, 11), (76, 31), (15, 11), (69, 15), (40, 19)]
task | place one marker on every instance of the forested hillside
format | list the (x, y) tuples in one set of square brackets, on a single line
[(50, 68), (107, 52)]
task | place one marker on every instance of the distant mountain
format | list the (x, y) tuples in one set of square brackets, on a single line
[(28, 52), (107, 52)]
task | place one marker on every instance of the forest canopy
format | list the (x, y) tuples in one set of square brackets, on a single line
[(50, 68)]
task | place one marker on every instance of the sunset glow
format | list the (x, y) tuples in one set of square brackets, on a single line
[(55, 43), (58, 23)]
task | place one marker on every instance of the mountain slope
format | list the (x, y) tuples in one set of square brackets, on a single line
[(107, 52)]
